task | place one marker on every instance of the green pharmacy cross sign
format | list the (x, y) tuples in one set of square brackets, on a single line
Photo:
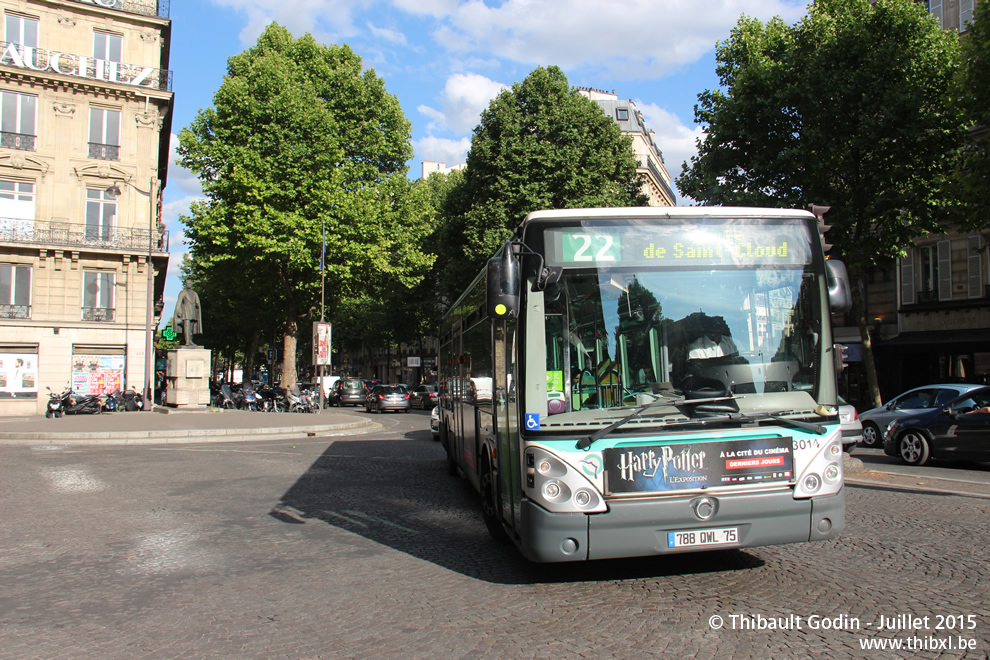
[(169, 334)]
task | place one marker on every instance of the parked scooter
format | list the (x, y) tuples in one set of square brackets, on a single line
[(80, 405), (54, 407), (248, 398), (225, 398)]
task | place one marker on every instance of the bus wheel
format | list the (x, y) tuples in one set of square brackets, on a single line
[(451, 461), (489, 504)]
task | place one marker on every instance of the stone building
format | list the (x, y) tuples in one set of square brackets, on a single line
[(84, 141)]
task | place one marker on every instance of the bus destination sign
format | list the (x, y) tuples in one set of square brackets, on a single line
[(676, 245)]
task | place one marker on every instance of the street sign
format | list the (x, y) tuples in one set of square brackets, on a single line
[(271, 355)]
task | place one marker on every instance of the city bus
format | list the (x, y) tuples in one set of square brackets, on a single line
[(632, 382)]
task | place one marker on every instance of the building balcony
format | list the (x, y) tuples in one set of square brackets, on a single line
[(98, 314), (104, 151), (74, 235), (157, 8), (15, 311), (18, 141), (43, 63)]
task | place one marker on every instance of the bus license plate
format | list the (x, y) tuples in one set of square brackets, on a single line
[(696, 537)]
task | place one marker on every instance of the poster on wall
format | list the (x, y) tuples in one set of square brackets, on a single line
[(19, 375), (97, 374)]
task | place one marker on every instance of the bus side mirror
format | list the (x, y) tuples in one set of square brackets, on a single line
[(839, 294), (503, 285)]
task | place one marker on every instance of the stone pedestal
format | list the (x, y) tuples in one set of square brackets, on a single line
[(188, 376)]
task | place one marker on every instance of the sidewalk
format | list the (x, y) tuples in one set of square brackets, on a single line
[(165, 425)]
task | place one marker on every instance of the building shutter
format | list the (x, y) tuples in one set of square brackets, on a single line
[(974, 266), (945, 270), (907, 278), (966, 8), (935, 7)]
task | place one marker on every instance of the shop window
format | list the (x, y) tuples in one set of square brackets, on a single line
[(18, 371)]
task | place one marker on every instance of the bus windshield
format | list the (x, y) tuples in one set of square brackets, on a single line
[(723, 323)]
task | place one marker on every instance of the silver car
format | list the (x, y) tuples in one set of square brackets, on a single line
[(435, 423), (852, 428), (387, 397), (912, 402)]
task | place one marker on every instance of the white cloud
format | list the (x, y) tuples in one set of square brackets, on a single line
[(178, 176), (299, 16), (463, 98), (451, 152), (385, 34), (677, 142), (627, 38)]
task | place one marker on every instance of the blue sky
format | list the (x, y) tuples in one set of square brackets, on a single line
[(446, 59)]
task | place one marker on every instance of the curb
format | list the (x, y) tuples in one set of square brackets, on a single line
[(186, 436)]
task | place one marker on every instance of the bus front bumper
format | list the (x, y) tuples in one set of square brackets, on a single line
[(640, 528)]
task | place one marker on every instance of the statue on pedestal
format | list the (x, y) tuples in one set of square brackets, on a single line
[(189, 313)]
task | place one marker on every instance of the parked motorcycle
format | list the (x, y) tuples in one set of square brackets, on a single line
[(133, 400), (54, 407), (225, 398), (80, 405), (272, 399), (248, 398)]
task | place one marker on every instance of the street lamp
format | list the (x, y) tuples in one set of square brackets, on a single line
[(114, 192)]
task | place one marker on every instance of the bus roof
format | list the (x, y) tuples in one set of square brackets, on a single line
[(686, 212)]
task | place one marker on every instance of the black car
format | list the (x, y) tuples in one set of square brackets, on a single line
[(423, 397), (959, 430)]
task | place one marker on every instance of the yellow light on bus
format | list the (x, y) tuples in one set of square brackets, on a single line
[(500, 309)]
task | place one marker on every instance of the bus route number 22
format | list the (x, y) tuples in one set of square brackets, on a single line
[(586, 247)]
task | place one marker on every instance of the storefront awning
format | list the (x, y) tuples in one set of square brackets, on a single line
[(962, 341)]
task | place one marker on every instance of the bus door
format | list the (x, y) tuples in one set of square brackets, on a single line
[(507, 421)]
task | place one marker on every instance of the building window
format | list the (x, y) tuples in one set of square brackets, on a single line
[(104, 134), (18, 371), (17, 120), (16, 199), (97, 296), (21, 30), (101, 216), (15, 292), (622, 114), (928, 268), (107, 47)]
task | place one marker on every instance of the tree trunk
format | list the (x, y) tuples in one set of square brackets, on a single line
[(859, 307), (289, 344)]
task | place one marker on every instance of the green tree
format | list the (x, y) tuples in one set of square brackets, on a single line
[(974, 101), (299, 139), (850, 107), (540, 145)]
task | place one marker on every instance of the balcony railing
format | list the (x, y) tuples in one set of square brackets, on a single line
[(98, 314), (142, 7), (42, 60), (18, 141), (104, 151), (15, 311), (69, 234)]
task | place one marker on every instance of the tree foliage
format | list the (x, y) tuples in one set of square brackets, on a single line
[(851, 108), (539, 145), (300, 140), (974, 102)]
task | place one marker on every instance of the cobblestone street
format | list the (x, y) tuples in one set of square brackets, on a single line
[(363, 546)]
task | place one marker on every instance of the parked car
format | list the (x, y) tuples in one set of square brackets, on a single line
[(912, 402), (348, 392), (852, 428), (423, 397), (957, 430), (387, 397), (435, 423)]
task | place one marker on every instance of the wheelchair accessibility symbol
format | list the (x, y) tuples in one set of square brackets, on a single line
[(532, 421)]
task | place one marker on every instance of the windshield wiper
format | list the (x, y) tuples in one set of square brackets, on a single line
[(584, 443)]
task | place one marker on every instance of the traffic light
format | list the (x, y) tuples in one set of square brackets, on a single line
[(820, 212)]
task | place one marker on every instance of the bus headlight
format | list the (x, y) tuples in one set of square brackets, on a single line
[(812, 483), (557, 487)]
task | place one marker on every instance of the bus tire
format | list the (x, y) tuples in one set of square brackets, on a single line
[(451, 460), (490, 503)]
